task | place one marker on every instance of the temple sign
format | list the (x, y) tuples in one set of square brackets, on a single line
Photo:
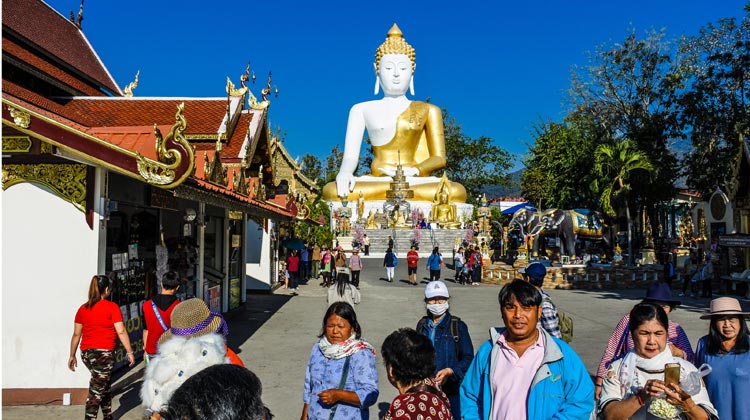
[(400, 131)]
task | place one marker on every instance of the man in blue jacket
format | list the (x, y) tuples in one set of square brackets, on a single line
[(522, 372)]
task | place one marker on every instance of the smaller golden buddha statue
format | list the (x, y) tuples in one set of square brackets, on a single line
[(399, 220), (371, 221), (443, 212)]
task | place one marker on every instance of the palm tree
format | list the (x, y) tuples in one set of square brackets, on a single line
[(615, 163)]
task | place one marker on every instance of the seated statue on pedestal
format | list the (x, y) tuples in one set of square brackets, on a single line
[(443, 212), (371, 221), (394, 124)]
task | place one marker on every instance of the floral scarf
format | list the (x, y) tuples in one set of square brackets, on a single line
[(344, 348), (627, 375)]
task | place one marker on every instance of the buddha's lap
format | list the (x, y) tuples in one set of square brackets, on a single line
[(376, 188)]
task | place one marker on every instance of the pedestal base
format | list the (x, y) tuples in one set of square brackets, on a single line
[(464, 210)]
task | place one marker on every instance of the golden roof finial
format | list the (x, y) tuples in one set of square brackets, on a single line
[(132, 85), (395, 44)]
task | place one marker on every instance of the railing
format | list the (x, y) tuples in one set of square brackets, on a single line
[(395, 241)]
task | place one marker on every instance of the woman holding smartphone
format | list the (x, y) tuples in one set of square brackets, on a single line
[(632, 384)]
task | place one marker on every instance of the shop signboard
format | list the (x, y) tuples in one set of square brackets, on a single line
[(234, 293), (133, 320), (214, 298), (735, 241)]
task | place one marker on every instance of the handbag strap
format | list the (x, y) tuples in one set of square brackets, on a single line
[(342, 384), (620, 350), (428, 388), (158, 316)]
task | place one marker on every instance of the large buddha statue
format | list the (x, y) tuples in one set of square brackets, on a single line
[(396, 126)]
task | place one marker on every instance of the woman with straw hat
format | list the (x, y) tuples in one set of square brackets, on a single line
[(726, 349), (195, 340)]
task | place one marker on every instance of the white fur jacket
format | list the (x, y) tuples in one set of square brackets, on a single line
[(179, 358)]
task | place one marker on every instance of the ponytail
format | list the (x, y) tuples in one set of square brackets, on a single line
[(97, 287)]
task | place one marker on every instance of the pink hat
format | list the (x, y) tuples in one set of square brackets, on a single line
[(725, 306)]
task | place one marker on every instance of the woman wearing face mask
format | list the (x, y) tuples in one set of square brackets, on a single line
[(450, 337)]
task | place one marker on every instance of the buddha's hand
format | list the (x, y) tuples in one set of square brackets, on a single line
[(344, 184), (408, 171)]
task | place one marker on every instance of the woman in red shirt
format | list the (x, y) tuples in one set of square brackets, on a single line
[(97, 324)]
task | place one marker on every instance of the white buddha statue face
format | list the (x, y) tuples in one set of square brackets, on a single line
[(395, 74)]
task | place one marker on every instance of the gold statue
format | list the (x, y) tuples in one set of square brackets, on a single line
[(371, 221), (394, 124), (443, 212), (399, 220), (361, 208)]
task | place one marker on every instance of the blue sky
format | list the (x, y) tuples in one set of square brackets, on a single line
[(497, 66)]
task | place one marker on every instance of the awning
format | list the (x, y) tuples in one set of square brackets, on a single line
[(519, 206)]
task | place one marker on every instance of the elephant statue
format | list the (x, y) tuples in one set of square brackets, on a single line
[(569, 225), (525, 218)]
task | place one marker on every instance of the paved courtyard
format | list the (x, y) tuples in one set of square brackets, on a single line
[(274, 333)]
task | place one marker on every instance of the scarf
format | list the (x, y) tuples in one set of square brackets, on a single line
[(344, 348), (633, 361)]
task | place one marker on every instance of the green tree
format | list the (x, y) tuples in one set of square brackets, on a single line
[(333, 163), (365, 160), (558, 170), (716, 107), (629, 91), (312, 232), (311, 166), (617, 163), (474, 162)]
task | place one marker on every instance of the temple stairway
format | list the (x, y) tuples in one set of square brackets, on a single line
[(443, 238)]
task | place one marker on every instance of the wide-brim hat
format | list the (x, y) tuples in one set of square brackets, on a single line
[(660, 292), (725, 306), (192, 318)]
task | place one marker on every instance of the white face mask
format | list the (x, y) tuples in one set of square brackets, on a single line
[(437, 309)]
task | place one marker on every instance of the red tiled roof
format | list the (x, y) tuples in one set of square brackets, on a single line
[(136, 139), (234, 145), (45, 66), (52, 32)]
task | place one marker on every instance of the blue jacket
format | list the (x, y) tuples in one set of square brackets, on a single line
[(561, 389), (433, 261), (446, 357)]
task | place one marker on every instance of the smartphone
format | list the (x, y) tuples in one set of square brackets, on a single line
[(672, 374)]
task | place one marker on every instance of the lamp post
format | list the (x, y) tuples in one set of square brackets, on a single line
[(330, 214)]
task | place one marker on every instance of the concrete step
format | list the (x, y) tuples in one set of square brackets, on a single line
[(443, 238)]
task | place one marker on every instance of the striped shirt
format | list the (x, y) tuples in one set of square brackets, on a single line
[(675, 335), (549, 319)]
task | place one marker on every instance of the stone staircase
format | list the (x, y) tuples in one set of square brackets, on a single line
[(443, 238)]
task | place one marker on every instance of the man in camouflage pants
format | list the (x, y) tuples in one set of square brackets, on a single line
[(100, 363)]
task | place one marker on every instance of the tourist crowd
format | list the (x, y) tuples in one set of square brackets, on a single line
[(524, 370)]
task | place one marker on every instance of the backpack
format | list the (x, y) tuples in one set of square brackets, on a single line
[(565, 323), (476, 261), (454, 329), (394, 259)]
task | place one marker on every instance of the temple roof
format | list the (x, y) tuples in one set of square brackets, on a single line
[(55, 35)]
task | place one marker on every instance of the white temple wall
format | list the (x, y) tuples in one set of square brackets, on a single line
[(258, 273), (49, 256)]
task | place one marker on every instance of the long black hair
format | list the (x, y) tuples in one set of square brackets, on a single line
[(343, 310), (715, 338), (342, 282)]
